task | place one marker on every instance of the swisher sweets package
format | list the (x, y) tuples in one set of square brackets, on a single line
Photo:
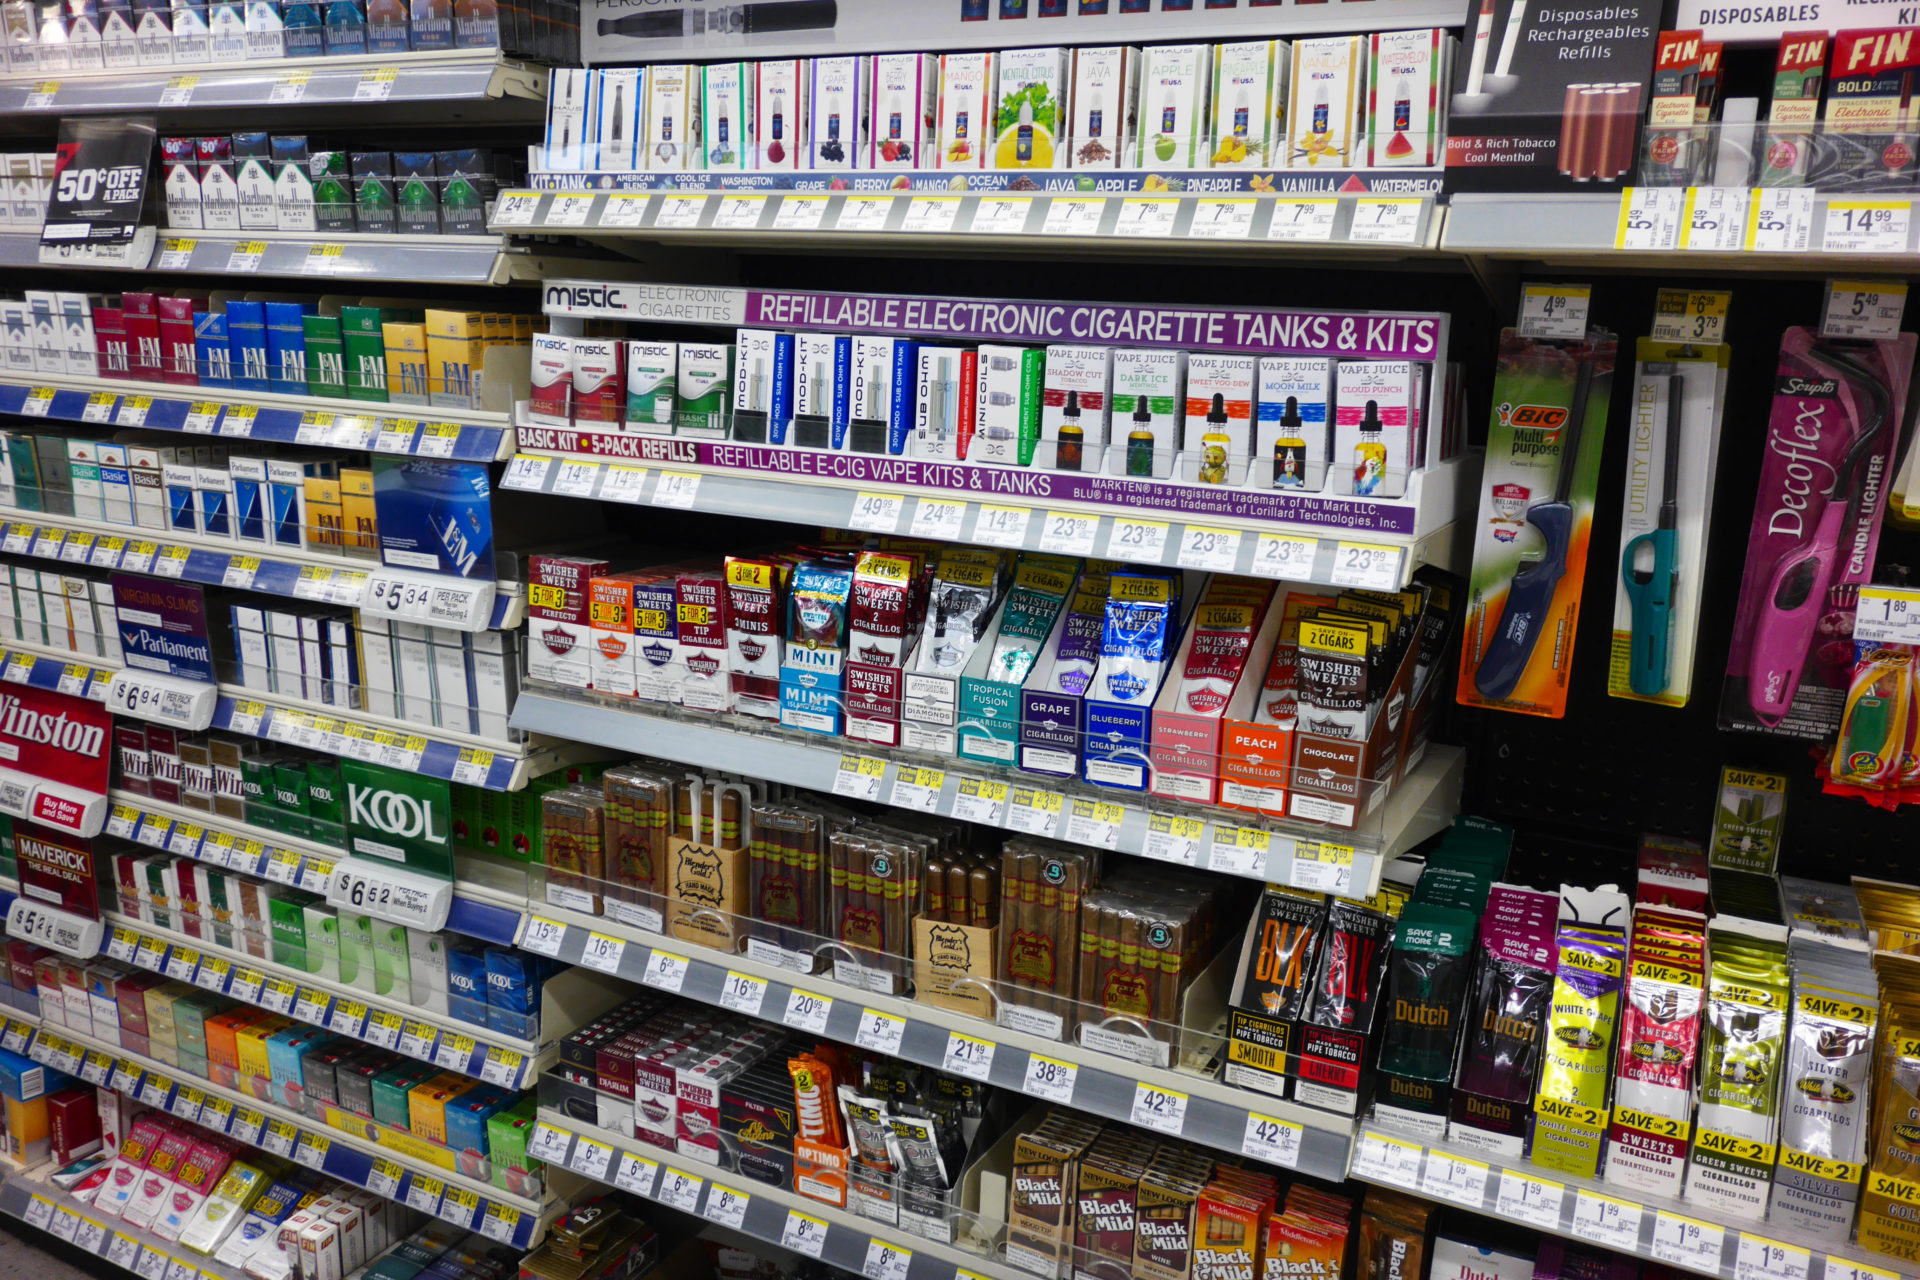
[(1536, 511), (1837, 409)]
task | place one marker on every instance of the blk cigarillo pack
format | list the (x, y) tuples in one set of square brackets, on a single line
[(1506, 1013), (1277, 961)]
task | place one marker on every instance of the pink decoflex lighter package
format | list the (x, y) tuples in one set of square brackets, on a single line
[(1837, 409)]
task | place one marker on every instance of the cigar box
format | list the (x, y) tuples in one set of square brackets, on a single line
[(1163, 1242), (1106, 1208), (707, 887), (1236, 1222), (1256, 767), (1342, 781), (701, 643), (755, 614), (950, 964), (1117, 737)]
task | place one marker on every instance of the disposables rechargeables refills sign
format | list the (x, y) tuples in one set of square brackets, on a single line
[(1548, 98)]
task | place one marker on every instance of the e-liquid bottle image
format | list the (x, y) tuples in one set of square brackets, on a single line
[(1169, 116), (1242, 117), (1213, 445), (973, 10), (1398, 146), (1290, 450), (1023, 137), (1096, 117), (1069, 450), (1321, 109), (1140, 439), (1370, 454)]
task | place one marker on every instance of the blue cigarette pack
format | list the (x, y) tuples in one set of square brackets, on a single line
[(434, 515), (211, 350), (467, 983), (249, 499), (287, 347), (467, 1118), (247, 339)]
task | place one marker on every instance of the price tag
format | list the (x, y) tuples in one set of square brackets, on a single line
[(931, 215), (743, 993), (376, 85), (1889, 615), (548, 1144), (1214, 550), (807, 1011), (917, 789), (500, 1222), (179, 1270), (396, 436), (1074, 216), (665, 970), (569, 209), (603, 953), (19, 538), (99, 407), (1303, 219), (1050, 1078), (934, 518), (1554, 311), (1385, 220), (122, 1251), (126, 1076), (1035, 812), (980, 800), (187, 1102), (39, 1212), (246, 256), (1762, 1259), (623, 483), (864, 213), (1322, 866), (527, 472), (680, 213), (472, 767), (175, 254), (739, 213), (1001, 526), (886, 1261), (238, 420), (1222, 219), (635, 1175), (1240, 851), (454, 1052), (1388, 1160), (417, 1039), (106, 552), (181, 964), (347, 1017), (1162, 1110), (1095, 822), (1863, 309), (216, 1114), (96, 1068), (1454, 1178), (1064, 533), (1867, 226), (1358, 564), (1605, 1221), (1688, 1242), (859, 777), (247, 1127), (1780, 219), (880, 1032), (676, 489), (803, 1234), (967, 1056), (384, 1178), (799, 213), (1714, 219), (66, 1222), (279, 1137), (1142, 541), (151, 1264), (240, 571), (1000, 215), (1173, 839), (459, 1206), (277, 995), (423, 1193), (516, 209), (543, 936), (1682, 315), (576, 479), (247, 985), (383, 1029), (78, 547), (49, 543), (876, 512), (680, 1190), (1147, 217), (15, 1036), (89, 1236), (1271, 1140), (726, 1206), (1649, 218), (171, 563), (592, 1158), (437, 439)]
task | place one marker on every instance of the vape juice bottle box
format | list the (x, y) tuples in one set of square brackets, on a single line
[(1219, 402), (1031, 109), (1403, 92), (838, 101), (967, 83), (1376, 411), (1175, 92), (673, 118), (903, 109), (1326, 114), (1073, 409), (726, 117), (1294, 419), (1105, 91), (1249, 102), (780, 89)]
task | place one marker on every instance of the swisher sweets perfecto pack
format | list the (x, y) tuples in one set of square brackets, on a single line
[(1550, 405), (1837, 409)]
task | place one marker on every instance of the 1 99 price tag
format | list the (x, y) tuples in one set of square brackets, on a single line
[(1606, 1221), (1687, 1242), (1763, 1259)]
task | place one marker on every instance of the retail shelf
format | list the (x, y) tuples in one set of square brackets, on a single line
[(478, 912), (776, 1215), (1809, 232), (742, 480), (29, 1197), (448, 1044), (1207, 1111), (1299, 854), (434, 753), (471, 76), (368, 1157), (1652, 1228), (261, 417), (1375, 214), (95, 544)]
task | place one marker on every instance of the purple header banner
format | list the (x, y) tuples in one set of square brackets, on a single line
[(1121, 494)]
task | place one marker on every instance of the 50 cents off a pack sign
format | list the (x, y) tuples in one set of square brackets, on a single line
[(100, 182)]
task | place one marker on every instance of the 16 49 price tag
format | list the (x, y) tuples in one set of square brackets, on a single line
[(743, 993)]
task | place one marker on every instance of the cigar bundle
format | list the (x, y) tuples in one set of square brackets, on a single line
[(640, 804), (1042, 884), (1142, 941)]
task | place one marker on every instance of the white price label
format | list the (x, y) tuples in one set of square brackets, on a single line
[(1554, 312), (516, 209), (1614, 1224), (39, 1212), (1780, 219), (858, 777), (1286, 558), (1095, 822), (1359, 564), (1142, 541), (1534, 1201), (635, 1175), (1074, 216), (1037, 813), (1867, 226), (1688, 1242), (1064, 533), (624, 210), (1888, 615), (799, 213), (1649, 218), (1869, 309), (99, 407), (739, 213), (424, 1193), (1001, 526), (1322, 866), (665, 970), (1001, 215), (543, 936), (743, 993), (592, 1158), (384, 1178), (1388, 1160), (89, 1236), (726, 1206), (917, 789), (680, 213), (1147, 217), (886, 1261), (526, 472), (603, 953), (1162, 1110), (1303, 219), (66, 1222), (980, 800), (876, 512), (175, 254), (680, 1190), (881, 1032), (246, 257), (807, 1011), (383, 1029), (1454, 1178), (569, 209), (864, 213), (623, 483), (376, 85), (1696, 315), (1762, 1259), (1714, 219), (1240, 851), (931, 215), (677, 489), (937, 518), (1173, 839), (1271, 1140), (1050, 1078), (1214, 550), (122, 1251), (548, 1144), (1386, 220), (151, 1264), (804, 1234), (1222, 219), (968, 1056)]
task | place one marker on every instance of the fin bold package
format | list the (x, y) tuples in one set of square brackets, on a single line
[(1550, 405), (1837, 408)]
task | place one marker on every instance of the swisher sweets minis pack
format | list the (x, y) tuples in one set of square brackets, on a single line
[(1830, 438), (1550, 405)]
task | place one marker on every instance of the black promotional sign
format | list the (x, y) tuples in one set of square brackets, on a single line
[(1549, 98), (100, 181)]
